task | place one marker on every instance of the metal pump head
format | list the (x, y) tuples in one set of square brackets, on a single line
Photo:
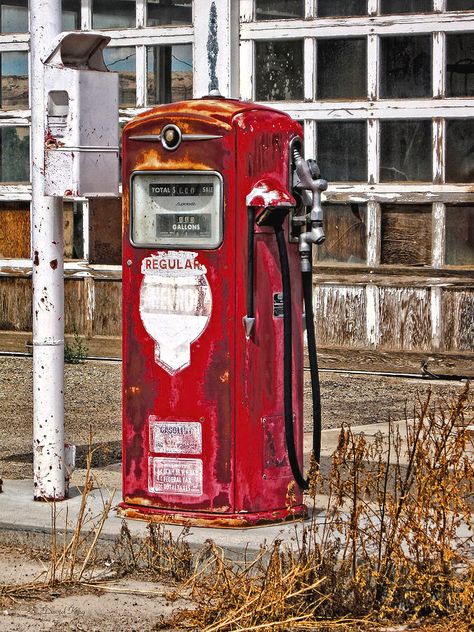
[(310, 186)]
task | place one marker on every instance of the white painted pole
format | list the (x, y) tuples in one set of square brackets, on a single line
[(48, 283)]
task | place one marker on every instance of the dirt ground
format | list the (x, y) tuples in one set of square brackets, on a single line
[(126, 605), (93, 407)]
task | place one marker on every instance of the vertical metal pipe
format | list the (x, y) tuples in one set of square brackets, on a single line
[(48, 284)]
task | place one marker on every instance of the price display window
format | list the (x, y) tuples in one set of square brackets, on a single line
[(177, 209)]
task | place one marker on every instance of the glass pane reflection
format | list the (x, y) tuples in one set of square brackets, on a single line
[(113, 15), (14, 16), (334, 8), (279, 70), (405, 151), (14, 154), (405, 67), (169, 73), (342, 150), (163, 12), (278, 9), (342, 68), (14, 85), (460, 65), (122, 59), (460, 150)]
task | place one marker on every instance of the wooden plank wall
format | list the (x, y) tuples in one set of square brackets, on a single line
[(363, 321)]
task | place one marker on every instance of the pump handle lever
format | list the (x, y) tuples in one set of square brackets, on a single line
[(310, 186)]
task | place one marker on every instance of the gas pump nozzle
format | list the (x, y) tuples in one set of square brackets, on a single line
[(310, 186)]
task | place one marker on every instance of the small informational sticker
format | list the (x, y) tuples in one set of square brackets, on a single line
[(175, 437), (278, 305), (182, 477)]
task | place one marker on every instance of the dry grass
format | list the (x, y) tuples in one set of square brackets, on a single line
[(391, 550), (72, 556)]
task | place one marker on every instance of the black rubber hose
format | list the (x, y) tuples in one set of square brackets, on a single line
[(313, 363), (288, 360)]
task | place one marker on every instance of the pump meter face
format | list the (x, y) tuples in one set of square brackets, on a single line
[(177, 209)]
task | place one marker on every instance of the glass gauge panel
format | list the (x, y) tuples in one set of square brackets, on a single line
[(177, 209)]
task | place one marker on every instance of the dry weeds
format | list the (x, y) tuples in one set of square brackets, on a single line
[(392, 550)]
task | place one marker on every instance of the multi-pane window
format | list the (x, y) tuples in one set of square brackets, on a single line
[(383, 90), (151, 71)]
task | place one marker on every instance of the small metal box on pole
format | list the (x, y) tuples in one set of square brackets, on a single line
[(81, 128)]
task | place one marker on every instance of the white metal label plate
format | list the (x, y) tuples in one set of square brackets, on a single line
[(175, 437), (182, 477)]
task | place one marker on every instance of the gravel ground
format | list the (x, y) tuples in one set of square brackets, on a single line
[(93, 407)]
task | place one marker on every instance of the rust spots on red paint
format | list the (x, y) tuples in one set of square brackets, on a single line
[(224, 378), (50, 142), (53, 263), (204, 519)]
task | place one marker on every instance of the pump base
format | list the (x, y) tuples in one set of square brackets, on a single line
[(209, 519)]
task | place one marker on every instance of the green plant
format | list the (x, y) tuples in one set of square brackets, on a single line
[(76, 352)]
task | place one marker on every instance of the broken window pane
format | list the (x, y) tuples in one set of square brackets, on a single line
[(14, 16), (162, 12), (460, 235), (405, 6), (71, 15), (169, 73), (342, 68), (15, 230), (279, 70), (460, 5), (405, 151), (406, 235), (330, 8), (122, 59), (345, 228), (460, 150), (278, 9), (113, 15), (105, 220), (405, 67), (14, 154), (14, 93), (460, 65), (342, 150)]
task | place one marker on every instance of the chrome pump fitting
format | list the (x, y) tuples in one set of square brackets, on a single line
[(310, 186)]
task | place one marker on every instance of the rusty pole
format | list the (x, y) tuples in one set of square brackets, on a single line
[(48, 283)]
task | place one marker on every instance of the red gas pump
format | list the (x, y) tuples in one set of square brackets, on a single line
[(213, 333)]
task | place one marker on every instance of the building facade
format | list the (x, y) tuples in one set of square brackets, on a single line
[(384, 91)]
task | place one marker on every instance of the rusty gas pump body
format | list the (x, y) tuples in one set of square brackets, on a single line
[(203, 402)]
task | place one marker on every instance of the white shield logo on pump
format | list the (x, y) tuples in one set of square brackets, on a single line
[(175, 305)]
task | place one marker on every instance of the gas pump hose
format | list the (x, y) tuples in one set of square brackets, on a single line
[(288, 361)]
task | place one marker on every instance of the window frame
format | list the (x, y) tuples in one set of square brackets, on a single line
[(138, 37), (438, 108)]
